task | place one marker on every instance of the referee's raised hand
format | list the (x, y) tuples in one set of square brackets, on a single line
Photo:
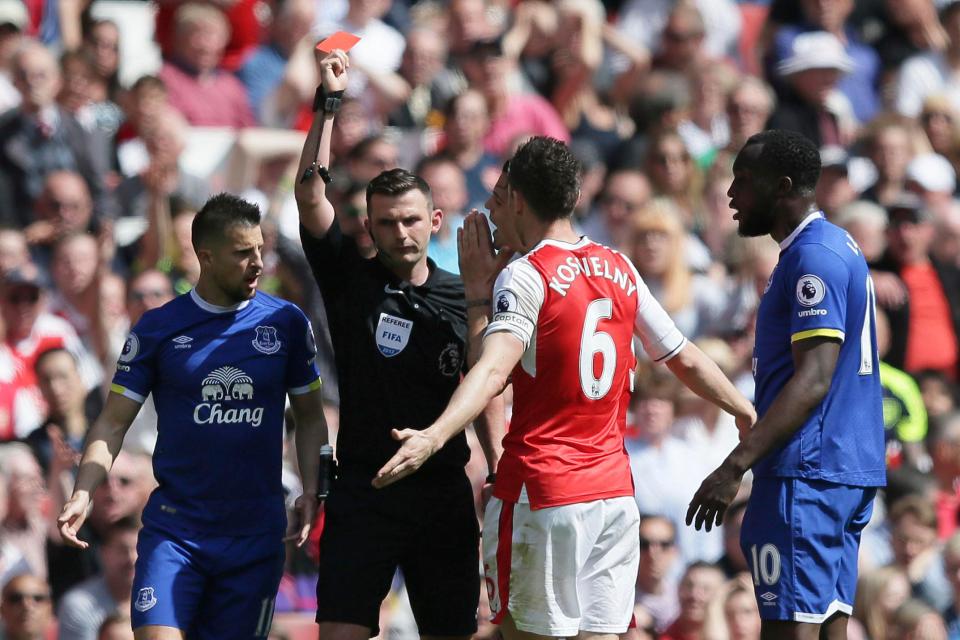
[(417, 447), (333, 70)]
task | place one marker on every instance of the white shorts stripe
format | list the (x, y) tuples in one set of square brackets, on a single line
[(835, 607)]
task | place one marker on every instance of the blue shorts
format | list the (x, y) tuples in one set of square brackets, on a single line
[(801, 539), (208, 586)]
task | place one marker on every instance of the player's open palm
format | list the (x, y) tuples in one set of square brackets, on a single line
[(72, 517), (713, 497), (417, 447), (333, 70)]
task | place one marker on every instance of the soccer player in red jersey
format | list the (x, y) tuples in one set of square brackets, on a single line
[(560, 535)]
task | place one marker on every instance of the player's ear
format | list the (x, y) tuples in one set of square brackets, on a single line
[(784, 185), (436, 219)]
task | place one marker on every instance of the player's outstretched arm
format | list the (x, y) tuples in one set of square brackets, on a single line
[(486, 380), (316, 212), (814, 361), (103, 445), (311, 434), (702, 375)]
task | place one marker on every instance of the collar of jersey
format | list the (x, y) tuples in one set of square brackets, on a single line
[(397, 283), (800, 227), (215, 308), (560, 244)]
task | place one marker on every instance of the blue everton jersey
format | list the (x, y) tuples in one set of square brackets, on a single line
[(821, 287), (219, 378)]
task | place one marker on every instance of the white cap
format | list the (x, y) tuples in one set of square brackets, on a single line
[(933, 172), (13, 12), (815, 50)]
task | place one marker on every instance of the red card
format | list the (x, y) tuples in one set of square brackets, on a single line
[(339, 40)]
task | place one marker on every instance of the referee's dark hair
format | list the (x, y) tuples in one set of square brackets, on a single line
[(547, 175), (791, 154), (220, 212), (396, 182)]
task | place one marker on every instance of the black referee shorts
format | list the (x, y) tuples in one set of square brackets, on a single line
[(425, 526)]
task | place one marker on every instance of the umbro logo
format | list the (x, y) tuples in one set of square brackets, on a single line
[(183, 342), (768, 596)]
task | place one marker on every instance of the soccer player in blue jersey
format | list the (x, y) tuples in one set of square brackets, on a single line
[(220, 362), (817, 449)]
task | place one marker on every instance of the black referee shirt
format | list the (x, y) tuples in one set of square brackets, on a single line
[(399, 351)]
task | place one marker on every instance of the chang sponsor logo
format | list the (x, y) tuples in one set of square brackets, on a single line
[(219, 390)]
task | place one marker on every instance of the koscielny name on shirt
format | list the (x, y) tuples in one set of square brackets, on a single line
[(591, 267)]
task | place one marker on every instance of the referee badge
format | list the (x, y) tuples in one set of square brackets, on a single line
[(393, 334)]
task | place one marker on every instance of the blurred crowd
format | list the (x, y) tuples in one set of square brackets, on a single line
[(118, 118)]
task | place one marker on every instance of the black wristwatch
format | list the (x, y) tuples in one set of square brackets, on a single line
[(327, 102), (317, 169)]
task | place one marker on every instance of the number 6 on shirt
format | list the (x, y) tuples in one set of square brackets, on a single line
[(593, 341)]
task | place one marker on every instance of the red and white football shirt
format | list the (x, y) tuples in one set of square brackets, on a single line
[(576, 308)]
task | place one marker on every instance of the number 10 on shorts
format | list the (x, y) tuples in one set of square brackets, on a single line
[(765, 564)]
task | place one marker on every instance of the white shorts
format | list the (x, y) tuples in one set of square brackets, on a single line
[(567, 569)]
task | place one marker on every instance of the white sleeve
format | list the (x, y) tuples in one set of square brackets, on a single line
[(659, 335), (517, 299)]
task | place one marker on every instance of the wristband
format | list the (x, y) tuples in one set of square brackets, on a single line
[(317, 169), (491, 478), (480, 302), (327, 102)]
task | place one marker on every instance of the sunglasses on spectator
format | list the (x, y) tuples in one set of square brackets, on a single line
[(647, 543), (18, 597), (31, 296)]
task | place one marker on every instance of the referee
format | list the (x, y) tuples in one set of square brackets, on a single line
[(398, 325)]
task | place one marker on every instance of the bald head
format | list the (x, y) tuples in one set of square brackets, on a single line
[(36, 75)]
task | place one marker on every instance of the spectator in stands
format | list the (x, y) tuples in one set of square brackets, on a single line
[(70, 409), (26, 612), (31, 330), (890, 146), (939, 122), (272, 64), (465, 124), (14, 252), (834, 190), (656, 581), (932, 177), (370, 156), (810, 102), (880, 592), (26, 522), (625, 193), (733, 562), (749, 104), (448, 186), (861, 83), (12, 561), (925, 330), (944, 446), (428, 85), (83, 609), (41, 138), (64, 207), (13, 22), (657, 459), (84, 96), (946, 243), (198, 87), (659, 250), (931, 72), (733, 612), (701, 582), (940, 395), (513, 115), (101, 41), (916, 619), (913, 521), (123, 495), (674, 175), (866, 222)]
